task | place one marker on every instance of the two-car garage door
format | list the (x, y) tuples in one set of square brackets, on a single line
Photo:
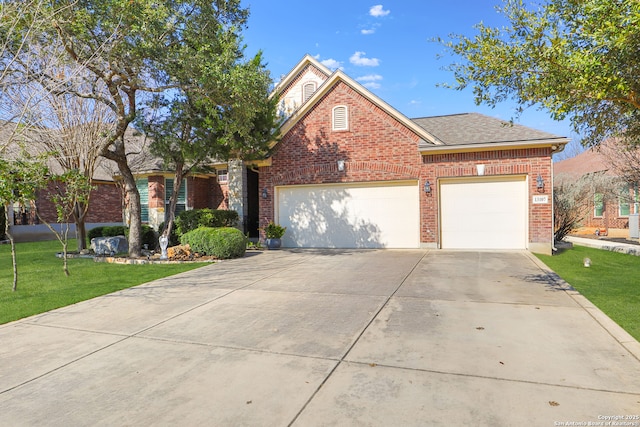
[(366, 215), (484, 213), (478, 213)]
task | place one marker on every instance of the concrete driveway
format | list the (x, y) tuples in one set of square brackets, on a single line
[(312, 338)]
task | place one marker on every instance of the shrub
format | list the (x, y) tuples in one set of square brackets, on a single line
[(149, 237), (190, 220), (114, 230), (95, 232), (274, 231), (222, 243)]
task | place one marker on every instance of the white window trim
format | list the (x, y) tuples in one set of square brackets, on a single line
[(346, 118), (226, 175)]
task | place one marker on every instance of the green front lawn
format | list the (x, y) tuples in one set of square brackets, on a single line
[(42, 285), (612, 283)]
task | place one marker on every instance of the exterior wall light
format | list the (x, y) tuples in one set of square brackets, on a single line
[(539, 182), (427, 187), (341, 165), (265, 193)]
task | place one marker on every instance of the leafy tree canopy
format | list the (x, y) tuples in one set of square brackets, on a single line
[(576, 58)]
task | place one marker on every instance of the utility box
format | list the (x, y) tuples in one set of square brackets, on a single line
[(634, 226)]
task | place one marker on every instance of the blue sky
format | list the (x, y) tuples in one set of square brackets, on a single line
[(387, 47)]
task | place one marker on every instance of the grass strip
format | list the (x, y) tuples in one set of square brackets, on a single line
[(42, 285), (612, 283)]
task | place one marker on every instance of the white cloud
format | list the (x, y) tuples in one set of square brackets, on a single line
[(370, 81), (331, 64), (358, 59), (372, 85), (369, 78), (367, 32), (378, 11)]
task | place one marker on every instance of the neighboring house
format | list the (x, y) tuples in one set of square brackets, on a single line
[(24, 224), (350, 171), (607, 211)]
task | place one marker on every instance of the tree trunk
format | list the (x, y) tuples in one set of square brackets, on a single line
[(119, 156), (79, 215), (173, 199), (13, 249), (135, 214)]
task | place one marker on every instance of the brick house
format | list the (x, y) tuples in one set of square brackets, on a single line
[(350, 171), (607, 212)]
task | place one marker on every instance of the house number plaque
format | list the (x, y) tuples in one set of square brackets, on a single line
[(539, 200)]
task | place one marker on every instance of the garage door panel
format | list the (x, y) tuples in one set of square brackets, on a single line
[(484, 214), (350, 216)]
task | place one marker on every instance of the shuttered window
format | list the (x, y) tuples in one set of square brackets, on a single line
[(143, 189), (340, 119), (182, 195), (307, 90)]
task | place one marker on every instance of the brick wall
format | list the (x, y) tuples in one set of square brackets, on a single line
[(156, 191), (105, 203), (529, 162), (375, 148), (204, 192)]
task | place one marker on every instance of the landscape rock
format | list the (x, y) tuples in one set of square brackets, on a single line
[(109, 245), (180, 251)]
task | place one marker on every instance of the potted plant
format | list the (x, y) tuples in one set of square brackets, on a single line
[(273, 234)]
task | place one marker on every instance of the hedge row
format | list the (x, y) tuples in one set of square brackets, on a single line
[(222, 243), (190, 220)]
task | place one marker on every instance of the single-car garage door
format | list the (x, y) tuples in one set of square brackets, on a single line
[(489, 213), (365, 215)]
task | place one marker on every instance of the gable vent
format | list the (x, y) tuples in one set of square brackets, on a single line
[(340, 121), (307, 90)]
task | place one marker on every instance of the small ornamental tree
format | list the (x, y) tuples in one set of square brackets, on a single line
[(70, 195), (19, 181)]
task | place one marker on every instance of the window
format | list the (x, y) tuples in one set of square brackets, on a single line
[(624, 202), (143, 189), (598, 204), (340, 118), (182, 195), (223, 175), (623, 206), (307, 90)]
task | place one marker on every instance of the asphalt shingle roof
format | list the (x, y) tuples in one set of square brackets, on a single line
[(475, 128)]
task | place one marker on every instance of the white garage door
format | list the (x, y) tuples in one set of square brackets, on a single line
[(484, 214), (380, 215)]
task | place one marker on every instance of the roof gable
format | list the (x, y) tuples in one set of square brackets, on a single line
[(307, 62), (335, 78)]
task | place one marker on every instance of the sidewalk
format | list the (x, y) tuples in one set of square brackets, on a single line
[(625, 248)]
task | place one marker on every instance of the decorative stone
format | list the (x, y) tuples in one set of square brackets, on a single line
[(109, 245), (179, 251)]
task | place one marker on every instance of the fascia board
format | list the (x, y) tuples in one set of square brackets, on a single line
[(556, 145)]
